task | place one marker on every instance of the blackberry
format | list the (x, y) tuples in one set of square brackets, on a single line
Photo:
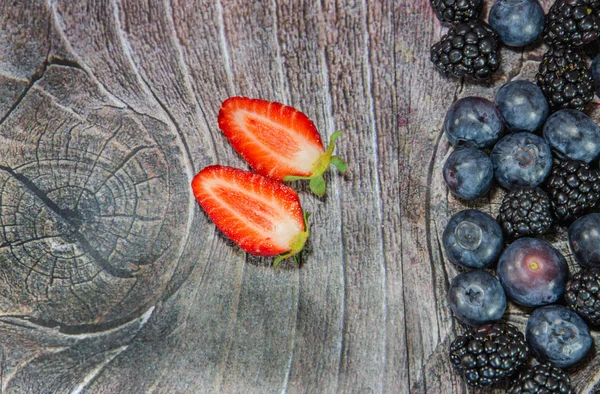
[(565, 79), (543, 378), (456, 11), (572, 22), (489, 353), (469, 49), (573, 188), (583, 294), (525, 212)]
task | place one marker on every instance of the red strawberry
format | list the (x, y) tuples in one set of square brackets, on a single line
[(262, 216), (278, 141)]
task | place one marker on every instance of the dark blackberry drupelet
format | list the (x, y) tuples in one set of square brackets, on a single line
[(583, 294), (565, 79), (489, 353), (543, 378), (469, 49), (457, 11), (525, 212), (572, 22), (573, 188)]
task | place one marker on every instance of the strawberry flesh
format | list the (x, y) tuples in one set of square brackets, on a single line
[(262, 216), (276, 140)]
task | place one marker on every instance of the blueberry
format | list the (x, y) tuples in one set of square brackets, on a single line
[(469, 173), (573, 135), (584, 240), (472, 239), (476, 298), (474, 121), (517, 22), (557, 335), (533, 272), (595, 70), (521, 160), (523, 105)]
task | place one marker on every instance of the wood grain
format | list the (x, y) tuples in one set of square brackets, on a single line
[(112, 279)]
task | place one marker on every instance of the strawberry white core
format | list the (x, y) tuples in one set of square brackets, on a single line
[(306, 157), (284, 232)]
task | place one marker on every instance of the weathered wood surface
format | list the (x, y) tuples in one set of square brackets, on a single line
[(112, 280)]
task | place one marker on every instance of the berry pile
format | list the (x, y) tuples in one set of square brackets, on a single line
[(535, 142), (471, 47)]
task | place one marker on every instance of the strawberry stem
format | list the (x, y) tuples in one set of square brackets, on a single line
[(296, 244)]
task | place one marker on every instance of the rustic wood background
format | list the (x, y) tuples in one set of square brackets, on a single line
[(112, 280)]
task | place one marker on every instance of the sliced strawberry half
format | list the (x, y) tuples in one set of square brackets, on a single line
[(261, 215), (278, 141)]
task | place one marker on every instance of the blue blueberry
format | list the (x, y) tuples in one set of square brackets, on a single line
[(468, 172), (533, 272), (572, 134), (521, 160), (558, 335), (474, 121), (476, 298), (517, 22), (472, 239), (523, 106), (584, 240), (595, 70)]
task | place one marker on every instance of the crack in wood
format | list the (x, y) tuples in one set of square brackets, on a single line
[(82, 330), (54, 60)]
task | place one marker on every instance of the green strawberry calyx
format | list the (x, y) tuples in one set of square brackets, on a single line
[(296, 244), (317, 183)]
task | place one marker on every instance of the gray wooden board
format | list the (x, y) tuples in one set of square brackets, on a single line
[(112, 279)]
